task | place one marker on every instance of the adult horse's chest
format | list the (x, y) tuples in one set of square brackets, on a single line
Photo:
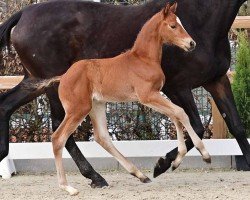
[(194, 69)]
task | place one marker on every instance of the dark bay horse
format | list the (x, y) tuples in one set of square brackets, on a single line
[(49, 37)]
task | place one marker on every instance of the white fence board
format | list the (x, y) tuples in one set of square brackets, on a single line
[(156, 148)]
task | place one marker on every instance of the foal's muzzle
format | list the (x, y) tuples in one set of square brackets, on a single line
[(192, 46)]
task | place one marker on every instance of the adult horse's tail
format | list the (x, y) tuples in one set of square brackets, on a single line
[(5, 29)]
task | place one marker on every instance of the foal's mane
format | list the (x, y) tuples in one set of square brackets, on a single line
[(149, 29), (148, 43)]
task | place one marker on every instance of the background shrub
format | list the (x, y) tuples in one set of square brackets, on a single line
[(241, 83)]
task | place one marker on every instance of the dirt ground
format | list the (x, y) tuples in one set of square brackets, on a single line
[(186, 185)]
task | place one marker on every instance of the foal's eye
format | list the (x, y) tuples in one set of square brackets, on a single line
[(173, 26)]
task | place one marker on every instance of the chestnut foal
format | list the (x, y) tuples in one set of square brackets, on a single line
[(135, 75)]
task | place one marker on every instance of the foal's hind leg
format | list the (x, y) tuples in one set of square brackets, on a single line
[(162, 105), (59, 138), (57, 115), (98, 118)]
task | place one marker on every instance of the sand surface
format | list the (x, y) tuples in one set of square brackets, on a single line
[(186, 185)]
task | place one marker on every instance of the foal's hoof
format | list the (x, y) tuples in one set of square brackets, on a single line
[(162, 166), (174, 167), (145, 180), (208, 160), (205, 156), (72, 191)]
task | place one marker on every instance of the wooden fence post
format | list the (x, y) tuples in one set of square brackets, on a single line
[(219, 125), (220, 129)]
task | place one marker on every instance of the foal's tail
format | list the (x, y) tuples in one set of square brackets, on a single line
[(5, 29), (44, 83)]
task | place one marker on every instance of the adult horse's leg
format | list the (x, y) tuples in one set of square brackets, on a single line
[(184, 99), (57, 114), (23, 93), (223, 97)]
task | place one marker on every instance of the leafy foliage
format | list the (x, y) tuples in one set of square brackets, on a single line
[(241, 84)]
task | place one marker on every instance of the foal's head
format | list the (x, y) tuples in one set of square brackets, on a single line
[(172, 31)]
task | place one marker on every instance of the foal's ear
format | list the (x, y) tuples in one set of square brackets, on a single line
[(166, 10), (173, 8)]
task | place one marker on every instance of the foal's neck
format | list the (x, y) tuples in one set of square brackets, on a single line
[(148, 44)]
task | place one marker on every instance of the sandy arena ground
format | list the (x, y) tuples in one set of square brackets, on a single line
[(201, 185)]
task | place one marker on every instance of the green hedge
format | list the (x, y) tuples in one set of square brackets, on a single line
[(241, 84)]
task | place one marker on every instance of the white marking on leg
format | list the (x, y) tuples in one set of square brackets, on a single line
[(194, 137), (72, 191), (182, 149), (59, 139)]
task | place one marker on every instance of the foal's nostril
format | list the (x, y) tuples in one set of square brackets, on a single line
[(192, 44)]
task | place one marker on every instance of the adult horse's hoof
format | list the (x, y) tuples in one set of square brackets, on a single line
[(162, 166), (100, 182), (248, 159), (145, 180)]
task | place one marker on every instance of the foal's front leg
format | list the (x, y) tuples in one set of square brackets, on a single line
[(157, 102), (101, 135), (182, 149)]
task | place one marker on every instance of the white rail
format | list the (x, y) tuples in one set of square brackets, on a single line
[(216, 147)]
